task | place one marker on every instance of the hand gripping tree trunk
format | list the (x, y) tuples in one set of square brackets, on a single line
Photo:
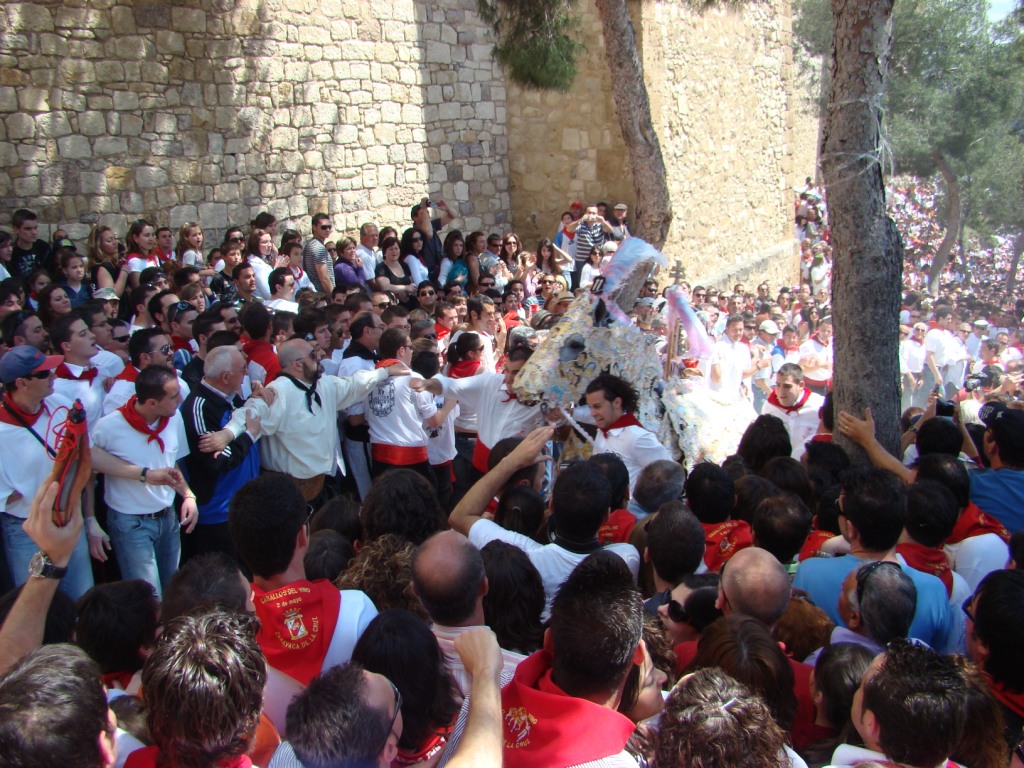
[(868, 252), (653, 206)]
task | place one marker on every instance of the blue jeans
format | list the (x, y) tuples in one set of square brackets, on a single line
[(19, 548), (147, 548)]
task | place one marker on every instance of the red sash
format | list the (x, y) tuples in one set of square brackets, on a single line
[(973, 522), (88, 374), (723, 540), (147, 758), (26, 417), (138, 423), (928, 560), (617, 527), (297, 625), (813, 544), (625, 420), (480, 455), (130, 373), (398, 455), (542, 725), (773, 398)]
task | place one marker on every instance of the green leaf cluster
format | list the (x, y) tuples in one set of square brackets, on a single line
[(537, 42)]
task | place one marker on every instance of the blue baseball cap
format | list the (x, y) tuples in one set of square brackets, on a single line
[(21, 361)]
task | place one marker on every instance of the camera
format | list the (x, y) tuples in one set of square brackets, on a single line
[(945, 408)]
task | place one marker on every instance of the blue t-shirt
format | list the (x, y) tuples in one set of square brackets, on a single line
[(1000, 493), (822, 579)]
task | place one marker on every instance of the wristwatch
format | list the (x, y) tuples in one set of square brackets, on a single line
[(41, 567)]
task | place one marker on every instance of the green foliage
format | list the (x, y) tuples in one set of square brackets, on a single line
[(536, 40), (812, 26)]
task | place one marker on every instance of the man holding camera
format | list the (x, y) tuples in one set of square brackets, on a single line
[(591, 231), (433, 250)]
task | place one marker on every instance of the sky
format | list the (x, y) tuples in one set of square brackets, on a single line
[(997, 9)]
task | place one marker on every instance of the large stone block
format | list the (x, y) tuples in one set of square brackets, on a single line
[(150, 177), (74, 147)]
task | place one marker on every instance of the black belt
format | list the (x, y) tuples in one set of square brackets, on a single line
[(465, 432), (147, 516)]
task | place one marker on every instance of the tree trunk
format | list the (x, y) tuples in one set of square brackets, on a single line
[(821, 105), (867, 250), (1011, 275), (650, 180), (953, 212)]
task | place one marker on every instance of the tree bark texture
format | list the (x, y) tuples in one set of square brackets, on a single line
[(867, 250), (1011, 276), (953, 214), (650, 180)]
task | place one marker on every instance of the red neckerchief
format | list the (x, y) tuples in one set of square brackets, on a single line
[(821, 437), (386, 363), (148, 757), (817, 338), (928, 560), (794, 348), (813, 544), (262, 353), (773, 398), (919, 342), (130, 373), (509, 395), (297, 625), (973, 522), (160, 257), (179, 343), (297, 273), (1012, 700), (625, 420), (463, 369), (723, 540), (544, 726), (512, 319), (26, 417), (435, 742), (442, 332), (138, 423), (88, 374), (932, 325)]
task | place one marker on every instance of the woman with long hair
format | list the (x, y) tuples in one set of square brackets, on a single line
[(260, 256), (107, 267), (54, 302), (454, 267), (140, 242), (412, 255), (476, 244)]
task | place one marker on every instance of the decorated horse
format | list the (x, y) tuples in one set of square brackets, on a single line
[(596, 336)]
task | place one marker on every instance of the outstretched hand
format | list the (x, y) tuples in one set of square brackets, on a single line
[(529, 450)]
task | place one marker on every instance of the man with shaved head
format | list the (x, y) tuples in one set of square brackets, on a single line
[(448, 577), (300, 423)]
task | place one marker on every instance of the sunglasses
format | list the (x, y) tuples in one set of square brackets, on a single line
[(487, 285), (165, 349), (394, 718), (415, 239), (676, 611), (123, 339), (383, 305), (547, 282), (237, 240), (38, 375), (326, 227), (427, 293)]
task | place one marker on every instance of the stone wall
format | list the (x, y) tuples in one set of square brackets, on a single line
[(722, 87), (215, 110)]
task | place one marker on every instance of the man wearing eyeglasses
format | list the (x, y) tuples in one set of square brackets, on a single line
[(150, 346), (316, 261), (426, 296), (433, 250), (872, 509)]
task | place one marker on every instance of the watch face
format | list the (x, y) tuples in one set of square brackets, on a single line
[(40, 567)]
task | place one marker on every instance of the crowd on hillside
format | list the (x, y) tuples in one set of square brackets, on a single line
[(317, 527)]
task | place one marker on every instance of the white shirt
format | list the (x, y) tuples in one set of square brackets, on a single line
[(395, 412), (441, 440), (801, 423), (127, 495), (370, 260), (498, 415), (463, 680), (813, 347), (552, 561), (283, 305), (914, 353), (24, 463), (733, 358), (122, 390), (417, 271), (938, 341), (297, 441), (636, 446), (262, 271)]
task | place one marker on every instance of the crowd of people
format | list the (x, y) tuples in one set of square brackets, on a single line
[(318, 527)]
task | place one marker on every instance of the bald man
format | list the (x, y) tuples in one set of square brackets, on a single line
[(448, 577), (754, 583), (299, 422)]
